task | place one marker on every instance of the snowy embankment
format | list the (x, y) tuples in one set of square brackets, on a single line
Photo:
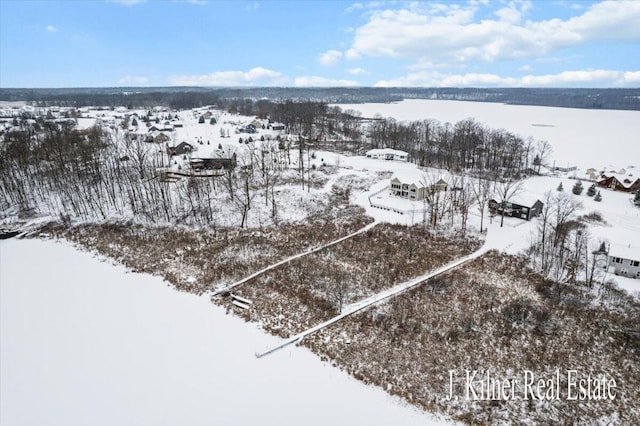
[(84, 342)]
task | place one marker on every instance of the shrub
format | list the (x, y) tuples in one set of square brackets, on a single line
[(577, 188)]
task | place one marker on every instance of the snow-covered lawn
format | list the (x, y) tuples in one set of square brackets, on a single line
[(85, 342), (622, 228)]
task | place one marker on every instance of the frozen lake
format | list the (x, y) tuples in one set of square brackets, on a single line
[(582, 137), (83, 342)]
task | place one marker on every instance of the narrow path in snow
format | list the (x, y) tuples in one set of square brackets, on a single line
[(289, 259), (383, 295)]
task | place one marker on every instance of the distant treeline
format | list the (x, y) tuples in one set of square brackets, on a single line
[(190, 97)]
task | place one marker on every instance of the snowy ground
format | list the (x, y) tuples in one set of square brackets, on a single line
[(84, 342), (622, 229), (582, 137)]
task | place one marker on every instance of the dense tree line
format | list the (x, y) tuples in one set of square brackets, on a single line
[(189, 97), (464, 146)]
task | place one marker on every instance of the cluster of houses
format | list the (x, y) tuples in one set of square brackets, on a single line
[(415, 185), (19, 118)]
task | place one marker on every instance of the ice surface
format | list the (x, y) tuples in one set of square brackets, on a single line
[(84, 342)]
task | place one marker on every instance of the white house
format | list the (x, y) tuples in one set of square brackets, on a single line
[(388, 154), (625, 261)]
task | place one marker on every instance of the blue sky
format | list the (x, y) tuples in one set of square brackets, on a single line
[(321, 43)]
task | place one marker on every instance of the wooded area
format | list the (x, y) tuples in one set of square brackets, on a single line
[(190, 97)]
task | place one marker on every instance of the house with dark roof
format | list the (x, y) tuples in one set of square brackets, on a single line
[(522, 208), (180, 149), (214, 163)]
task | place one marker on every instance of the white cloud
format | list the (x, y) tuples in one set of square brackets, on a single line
[(357, 71), (352, 54), (354, 6), (314, 81), (133, 80), (257, 76), (368, 5), (588, 78), (513, 12), (437, 79), (580, 78), (51, 28), (330, 57), (525, 68), (451, 33)]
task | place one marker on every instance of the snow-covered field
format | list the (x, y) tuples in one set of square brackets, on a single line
[(84, 342), (580, 137)]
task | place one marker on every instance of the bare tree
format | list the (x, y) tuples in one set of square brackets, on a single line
[(463, 201), (481, 190), (544, 225), (505, 192), (543, 151)]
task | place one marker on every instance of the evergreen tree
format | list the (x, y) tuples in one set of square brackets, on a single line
[(636, 199), (577, 188), (536, 161), (560, 187), (201, 119), (598, 197), (212, 121), (592, 190)]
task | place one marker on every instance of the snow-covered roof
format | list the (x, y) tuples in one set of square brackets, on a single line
[(625, 180), (386, 151), (411, 176), (227, 151), (526, 200), (627, 251)]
